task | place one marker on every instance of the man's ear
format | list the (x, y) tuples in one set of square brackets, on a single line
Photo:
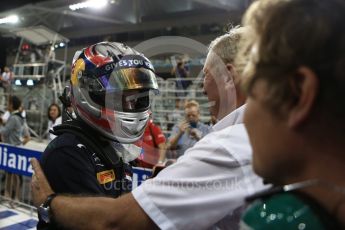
[(231, 76), (308, 86)]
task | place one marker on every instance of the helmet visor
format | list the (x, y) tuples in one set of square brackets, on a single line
[(129, 79), (129, 101), (124, 89)]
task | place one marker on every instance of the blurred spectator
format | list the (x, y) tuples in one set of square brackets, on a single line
[(13, 129), (32, 57), (49, 58), (6, 79), (24, 55), (49, 54), (39, 54), (54, 118), (181, 72), (153, 146), (6, 115), (32, 103), (36, 54), (185, 134), (12, 133), (26, 131)]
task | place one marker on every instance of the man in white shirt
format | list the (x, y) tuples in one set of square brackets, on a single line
[(205, 189), (208, 184)]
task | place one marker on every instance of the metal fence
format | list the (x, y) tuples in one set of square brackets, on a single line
[(165, 110), (15, 193)]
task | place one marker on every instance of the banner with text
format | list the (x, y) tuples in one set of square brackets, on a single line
[(140, 175), (16, 160)]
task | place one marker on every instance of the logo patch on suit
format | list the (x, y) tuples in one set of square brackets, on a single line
[(105, 176)]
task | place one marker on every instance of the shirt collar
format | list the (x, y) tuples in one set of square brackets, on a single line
[(235, 117)]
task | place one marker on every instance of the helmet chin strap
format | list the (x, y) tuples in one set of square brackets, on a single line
[(65, 99), (71, 115), (128, 152)]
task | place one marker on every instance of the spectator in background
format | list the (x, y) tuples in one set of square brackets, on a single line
[(36, 54), (49, 54), (32, 56), (49, 58), (181, 72), (54, 118), (153, 146), (24, 56), (6, 79), (14, 132), (185, 134), (26, 130), (39, 54), (5, 117)]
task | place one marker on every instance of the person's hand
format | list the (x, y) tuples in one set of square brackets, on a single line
[(183, 126), (195, 133), (40, 187), (156, 169)]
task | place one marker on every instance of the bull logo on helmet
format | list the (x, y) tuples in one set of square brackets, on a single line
[(77, 70)]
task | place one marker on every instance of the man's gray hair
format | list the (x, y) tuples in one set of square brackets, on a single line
[(227, 45)]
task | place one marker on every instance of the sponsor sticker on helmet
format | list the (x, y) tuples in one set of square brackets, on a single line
[(130, 61), (78, 67)]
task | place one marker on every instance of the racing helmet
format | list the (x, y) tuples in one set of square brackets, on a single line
[(112, 86)]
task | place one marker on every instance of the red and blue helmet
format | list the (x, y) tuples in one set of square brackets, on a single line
[(112, 86)]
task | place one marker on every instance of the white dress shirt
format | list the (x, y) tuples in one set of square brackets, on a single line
[(205, 188)]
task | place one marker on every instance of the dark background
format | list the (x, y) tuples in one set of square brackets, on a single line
[(4, 42)]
